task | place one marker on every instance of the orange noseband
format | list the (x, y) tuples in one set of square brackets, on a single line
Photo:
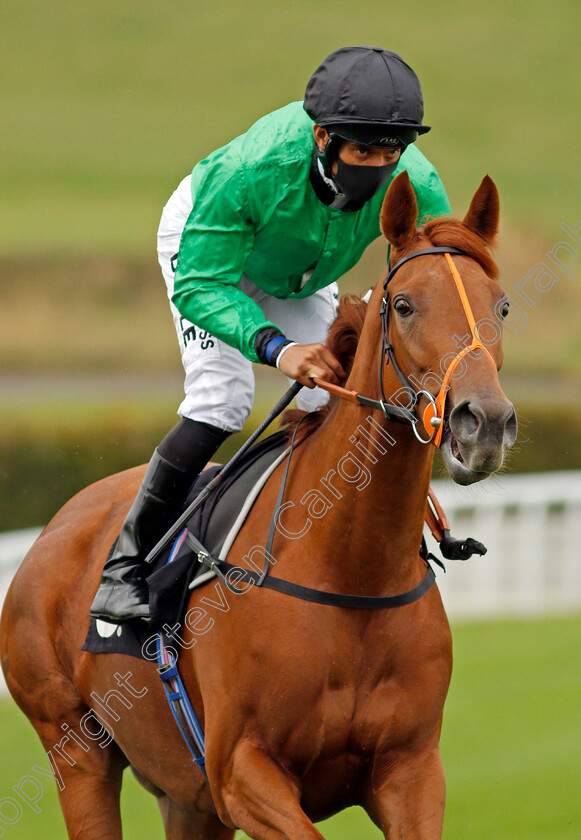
[(435, 412)]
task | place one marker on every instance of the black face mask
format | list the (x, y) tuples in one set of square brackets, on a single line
[(357, 184)]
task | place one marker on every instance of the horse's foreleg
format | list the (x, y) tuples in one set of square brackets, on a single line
[(406, 795), (262, 799)]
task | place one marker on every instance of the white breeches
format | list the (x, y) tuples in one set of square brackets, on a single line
[(219, 380)]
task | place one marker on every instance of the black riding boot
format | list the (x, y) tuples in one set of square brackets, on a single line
[(123, 593)]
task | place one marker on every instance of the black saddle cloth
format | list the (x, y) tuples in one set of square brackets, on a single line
[(169, 582)]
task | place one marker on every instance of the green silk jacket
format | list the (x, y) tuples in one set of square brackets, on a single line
[(255, 213)]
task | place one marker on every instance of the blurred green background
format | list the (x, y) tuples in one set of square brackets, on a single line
[(104, 108)]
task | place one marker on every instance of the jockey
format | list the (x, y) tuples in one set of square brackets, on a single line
[(251, 245)]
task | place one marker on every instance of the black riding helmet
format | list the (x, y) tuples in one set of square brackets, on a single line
[(367, 95)]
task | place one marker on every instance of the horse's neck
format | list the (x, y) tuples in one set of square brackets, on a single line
[(375, 477)]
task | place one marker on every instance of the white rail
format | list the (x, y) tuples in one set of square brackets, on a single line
[(13, 547), (531, 525)]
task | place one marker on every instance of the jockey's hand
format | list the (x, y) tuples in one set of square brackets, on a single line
[(303, 361)]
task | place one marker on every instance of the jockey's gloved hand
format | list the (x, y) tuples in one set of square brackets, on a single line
[(453, 549)]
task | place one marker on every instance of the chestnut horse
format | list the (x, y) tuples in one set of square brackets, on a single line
[(306, 708)]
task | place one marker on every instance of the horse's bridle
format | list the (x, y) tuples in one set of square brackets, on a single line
[(432, 418)]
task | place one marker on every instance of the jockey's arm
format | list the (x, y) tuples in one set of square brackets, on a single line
[(215, 245)]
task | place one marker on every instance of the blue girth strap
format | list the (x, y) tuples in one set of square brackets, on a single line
[(180, 705)]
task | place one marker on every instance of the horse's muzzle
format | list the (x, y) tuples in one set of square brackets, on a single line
[(479, 434)]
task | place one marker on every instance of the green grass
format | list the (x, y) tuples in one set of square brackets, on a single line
[(109, 314), (512, 734), (106, 106), (511, 744)]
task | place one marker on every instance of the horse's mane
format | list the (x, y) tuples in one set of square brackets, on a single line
[(346, 328), (342, 341)]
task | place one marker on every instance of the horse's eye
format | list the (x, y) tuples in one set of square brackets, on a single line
[(504, 308), (402, 307)]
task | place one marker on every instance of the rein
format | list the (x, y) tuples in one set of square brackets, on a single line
[(432, 418)]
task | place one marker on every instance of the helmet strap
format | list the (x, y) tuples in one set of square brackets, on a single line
[(329, 155)]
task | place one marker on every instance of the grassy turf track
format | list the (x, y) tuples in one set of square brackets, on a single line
[(511, 744)]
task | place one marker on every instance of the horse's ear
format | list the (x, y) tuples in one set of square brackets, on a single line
[(399, 212), (483, 213)]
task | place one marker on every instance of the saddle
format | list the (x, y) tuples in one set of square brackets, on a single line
[(215, 525)]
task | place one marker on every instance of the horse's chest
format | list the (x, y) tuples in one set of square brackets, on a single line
[(350, 714), (366, 698), (318, 691), (369, 712)]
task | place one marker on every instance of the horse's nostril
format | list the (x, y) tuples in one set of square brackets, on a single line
[(471, 421), (464, 422), (511, 429)]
